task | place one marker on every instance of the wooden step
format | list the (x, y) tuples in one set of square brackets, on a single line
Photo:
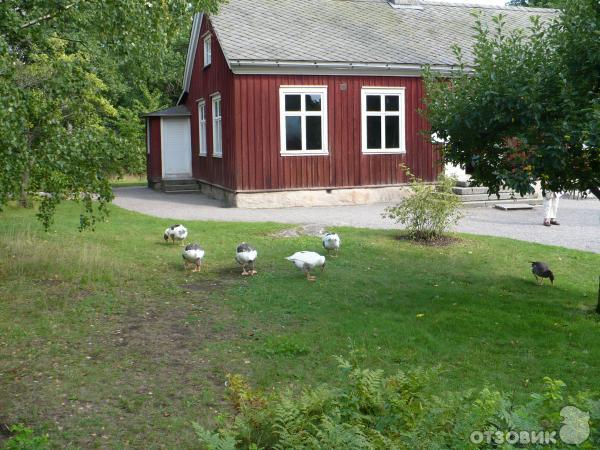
[(189, 181), (474, 190), (492, 202), (485, 197), (179, 188)]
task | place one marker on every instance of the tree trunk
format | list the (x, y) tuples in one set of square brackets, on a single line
[(596, 191), (24, 198)]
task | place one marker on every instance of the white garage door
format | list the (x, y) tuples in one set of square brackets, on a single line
[(176, 147)]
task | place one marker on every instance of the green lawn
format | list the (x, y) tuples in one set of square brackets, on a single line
[(106, 342), (129, 180)]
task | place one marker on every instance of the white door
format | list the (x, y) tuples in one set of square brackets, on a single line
[(176, 147)]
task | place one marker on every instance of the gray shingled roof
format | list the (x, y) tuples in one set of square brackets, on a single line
[(174, 111), (362, 31)]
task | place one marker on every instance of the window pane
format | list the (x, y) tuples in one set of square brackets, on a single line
[(392, 132), (392, 103), (220, 137), (293, 134), (373, 132), (373, 103), (292, 102), (313, 133), (203, 138), (313, 102)]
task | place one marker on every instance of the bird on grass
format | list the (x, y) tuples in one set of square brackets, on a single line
[(175, 233), (193, 254), (332, 242), (540, 271), (246, 255), (307, 261)]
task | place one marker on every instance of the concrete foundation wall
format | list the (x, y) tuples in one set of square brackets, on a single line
[(318, 197)]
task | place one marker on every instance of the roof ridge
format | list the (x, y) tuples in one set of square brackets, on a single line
[(474, 4)]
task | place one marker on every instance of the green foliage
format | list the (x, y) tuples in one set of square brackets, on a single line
[(538, 3), (370, 410), (430, 209), (530, 108), (75, 78), (25, 439), (124, 291)]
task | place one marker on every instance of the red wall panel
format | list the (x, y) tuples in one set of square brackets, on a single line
[(154, 164), (261, 167), (251, 137), (206, 81)]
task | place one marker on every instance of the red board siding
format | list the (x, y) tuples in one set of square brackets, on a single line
[(259, 165), (251, 137), (206, 81), (154, 164)]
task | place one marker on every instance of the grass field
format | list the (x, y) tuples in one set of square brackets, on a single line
[(106, 342), (129, 180)]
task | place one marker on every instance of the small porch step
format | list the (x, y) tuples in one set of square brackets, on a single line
[(477, 196), (513, 206), (493, 202), (179, 186)]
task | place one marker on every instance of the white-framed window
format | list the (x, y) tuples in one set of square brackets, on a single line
[(202, 127), (207, 50), (303, 120), (217, 128), (383, 120)]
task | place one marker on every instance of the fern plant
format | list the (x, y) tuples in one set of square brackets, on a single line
[(372, 410)]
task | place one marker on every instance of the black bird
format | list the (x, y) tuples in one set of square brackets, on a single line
[(540, 271)]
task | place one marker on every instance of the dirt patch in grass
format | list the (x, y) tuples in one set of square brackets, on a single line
[(440, 241), (303, 230)]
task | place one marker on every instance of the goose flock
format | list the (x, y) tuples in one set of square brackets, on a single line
[(245, 254), (304, 260)]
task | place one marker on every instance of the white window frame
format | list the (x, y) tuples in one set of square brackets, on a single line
[(382, 91), (207, 49), (202, 144), (302, 91), (217, 126)]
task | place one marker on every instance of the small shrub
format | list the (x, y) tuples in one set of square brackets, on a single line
[(407, 410), (24, 439), (430, 209)]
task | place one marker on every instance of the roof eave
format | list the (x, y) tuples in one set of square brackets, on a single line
[(191, 54), (330, 67)]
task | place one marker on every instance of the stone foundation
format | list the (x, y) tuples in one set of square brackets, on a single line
[(313, 197)]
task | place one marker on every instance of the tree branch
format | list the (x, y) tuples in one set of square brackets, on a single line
[(596, 191), (47, 16)]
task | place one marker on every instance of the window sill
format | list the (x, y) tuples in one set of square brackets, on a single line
[(217, 156), (304, 153), (202, 155), (206, 66), (384, 152)]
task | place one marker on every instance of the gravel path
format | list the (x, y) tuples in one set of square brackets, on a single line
[(579, 229)]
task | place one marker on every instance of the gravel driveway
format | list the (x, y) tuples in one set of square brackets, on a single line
[(579, 229)]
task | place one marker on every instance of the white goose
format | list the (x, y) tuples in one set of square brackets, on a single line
[(332, 241), (307, 261), (175, 233), (193, 254), (246, 255)]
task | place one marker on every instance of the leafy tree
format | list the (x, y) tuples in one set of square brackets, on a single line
[(538, 3), (530, 108), (74, 78)]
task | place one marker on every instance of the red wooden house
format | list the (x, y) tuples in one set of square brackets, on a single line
[(296, 102)]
